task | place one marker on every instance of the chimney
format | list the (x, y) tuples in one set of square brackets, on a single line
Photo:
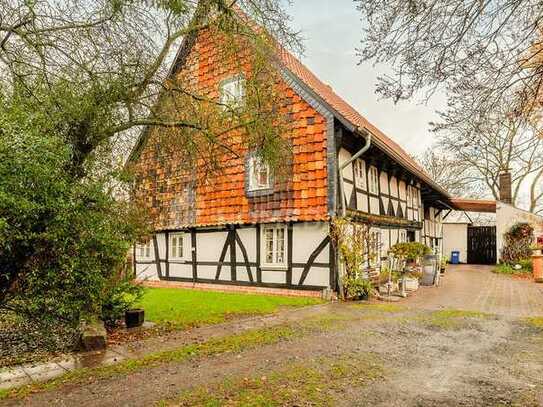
[(505, 187)]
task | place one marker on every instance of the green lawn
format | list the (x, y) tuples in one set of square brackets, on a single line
[(184, 308)]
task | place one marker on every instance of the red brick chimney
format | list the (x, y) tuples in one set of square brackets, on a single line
[(505, 188)]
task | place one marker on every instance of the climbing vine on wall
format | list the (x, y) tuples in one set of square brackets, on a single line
[(357, 249)]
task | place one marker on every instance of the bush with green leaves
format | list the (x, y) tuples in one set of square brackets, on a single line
[(412, 251), (119, 295), (62, 237), (356, 286)]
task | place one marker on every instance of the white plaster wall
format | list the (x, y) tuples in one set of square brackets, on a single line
[(393, 237), (345, 156), (208, 272), (385, 203), (146, 272), (305, 239), (248, 238), (507, 216), (385, 240), (179, 270), (393, 186), (209, 245), (383, 181), (402, 190), (362, 201), (274, 276), (455, 238), (374, 205), (404, 208)]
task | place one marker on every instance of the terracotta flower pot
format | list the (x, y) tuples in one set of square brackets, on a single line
[(537, 266)]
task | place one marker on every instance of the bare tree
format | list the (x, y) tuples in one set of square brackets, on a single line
[(483, 48), (490, 142), (453, 174), (117, 54)]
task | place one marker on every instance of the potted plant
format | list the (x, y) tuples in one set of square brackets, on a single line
[(443, 266), (411, 280), (358, 288), (388, 280)]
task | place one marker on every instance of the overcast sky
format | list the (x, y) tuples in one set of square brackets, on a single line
[(332, 30)]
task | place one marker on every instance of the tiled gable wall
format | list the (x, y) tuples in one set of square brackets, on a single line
[(175, 200)]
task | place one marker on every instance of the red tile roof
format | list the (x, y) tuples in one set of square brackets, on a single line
[(348, 113)]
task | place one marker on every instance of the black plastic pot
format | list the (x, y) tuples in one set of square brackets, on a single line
[(364, 297), (134, 318)]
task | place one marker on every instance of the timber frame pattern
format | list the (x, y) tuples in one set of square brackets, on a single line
[(230, 265), (344, 132)]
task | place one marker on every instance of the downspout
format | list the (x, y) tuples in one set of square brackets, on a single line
[(343, 212), (342, 199)]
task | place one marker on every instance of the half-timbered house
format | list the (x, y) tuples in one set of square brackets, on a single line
[(246, 228)]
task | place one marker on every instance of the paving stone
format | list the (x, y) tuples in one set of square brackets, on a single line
[(68, 363), (93, 359), (13, 377), (44, 371), (477, 288)]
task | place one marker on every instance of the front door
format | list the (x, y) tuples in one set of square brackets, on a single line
[(482, 244)]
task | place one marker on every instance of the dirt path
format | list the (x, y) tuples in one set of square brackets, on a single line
[(437, 348), (408, 357)]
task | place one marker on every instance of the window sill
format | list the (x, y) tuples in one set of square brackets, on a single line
[(252, 193), (274, 268)]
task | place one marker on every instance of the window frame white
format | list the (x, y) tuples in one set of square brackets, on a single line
[(231, 99), (144, 251), (402, 236), (274, 265), (253, 183), (181, 237), (376, 247), (360, 173), (373, 180)]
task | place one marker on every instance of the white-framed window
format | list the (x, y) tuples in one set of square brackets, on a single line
[(177, 246), (259, 174), (402, 236), (232, 91), (373, 178), (375, 248), (360, 173), (412, 196), (274, 246), (143, 250)]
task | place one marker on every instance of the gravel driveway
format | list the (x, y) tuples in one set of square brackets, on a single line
[(466, 343)]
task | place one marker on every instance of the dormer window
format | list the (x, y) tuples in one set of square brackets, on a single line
[(232, 91), (259, 174)]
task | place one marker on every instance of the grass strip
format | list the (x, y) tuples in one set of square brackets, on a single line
[(313, 383), (452, 319), (234, 343)]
